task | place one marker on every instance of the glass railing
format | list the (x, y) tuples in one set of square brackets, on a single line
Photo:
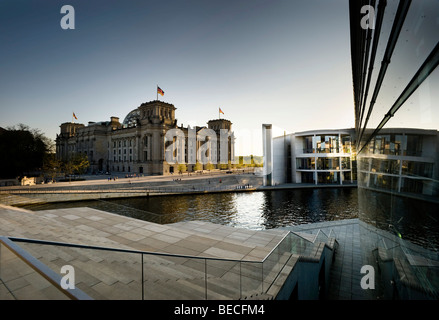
[(108, 273), (17, 269), (116, 274), (424, 265), (418, 267), (332, 234), (275, 261), (290, 244), (23, 277), (321, 237), (300, 245)]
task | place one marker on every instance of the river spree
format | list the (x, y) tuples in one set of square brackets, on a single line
[(252, 210), (413, 220)]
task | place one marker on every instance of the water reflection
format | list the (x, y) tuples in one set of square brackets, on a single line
[(414, 220), (411, 219), (250, 210), (293, 207)]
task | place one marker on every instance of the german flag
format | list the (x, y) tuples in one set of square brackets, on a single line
[(221, 111), (160, 91), (74, 116)]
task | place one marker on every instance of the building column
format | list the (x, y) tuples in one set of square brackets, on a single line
[(341, 167), (400, 175), (368, 171), (314, 148), (352, 169), (268, 154)]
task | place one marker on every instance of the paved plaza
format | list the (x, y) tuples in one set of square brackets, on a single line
[(97, 228)]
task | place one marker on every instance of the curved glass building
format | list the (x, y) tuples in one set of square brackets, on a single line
[(314, 157), (395, 54)]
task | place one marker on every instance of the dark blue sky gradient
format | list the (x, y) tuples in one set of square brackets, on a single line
[(283, 62)]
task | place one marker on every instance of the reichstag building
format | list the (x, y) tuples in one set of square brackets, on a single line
[(139, 144)]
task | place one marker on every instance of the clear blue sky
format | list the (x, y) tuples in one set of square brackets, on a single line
[(283, 62)]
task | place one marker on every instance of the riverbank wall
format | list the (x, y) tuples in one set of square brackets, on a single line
[(140, 187)]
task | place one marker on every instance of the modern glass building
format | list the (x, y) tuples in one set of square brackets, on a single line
[(402, 160), (314, 157), (395, 54)]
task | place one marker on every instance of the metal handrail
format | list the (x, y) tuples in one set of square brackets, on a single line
[(156, 215), (163, 254), (82, 246), (272, 250), (43, 270)]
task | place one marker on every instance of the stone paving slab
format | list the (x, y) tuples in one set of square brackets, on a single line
[(198, 238), (102, 272)]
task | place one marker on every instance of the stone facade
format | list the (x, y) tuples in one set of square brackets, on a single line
[(138, 144)]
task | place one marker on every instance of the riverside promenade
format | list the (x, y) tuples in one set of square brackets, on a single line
[(108, 187), (103, 187)]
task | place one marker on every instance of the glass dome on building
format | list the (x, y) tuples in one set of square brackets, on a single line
[(132, 118)]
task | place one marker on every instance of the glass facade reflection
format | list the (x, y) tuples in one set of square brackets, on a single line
[(408, 160), (395, 82)]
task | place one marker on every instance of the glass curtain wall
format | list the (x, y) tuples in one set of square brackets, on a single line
[(396, 98)]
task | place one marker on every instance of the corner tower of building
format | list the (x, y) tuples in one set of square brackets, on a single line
[(157, 112), (218, 124), (225, 150)]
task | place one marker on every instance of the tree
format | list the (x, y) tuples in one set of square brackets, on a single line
[(223, 166), (77, 164), (80, 163), (51, 166), (68, 168), (22, 151), (210, 166), (181, 168), (198, 166)]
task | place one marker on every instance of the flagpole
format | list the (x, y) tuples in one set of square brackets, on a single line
[(157, 92)]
